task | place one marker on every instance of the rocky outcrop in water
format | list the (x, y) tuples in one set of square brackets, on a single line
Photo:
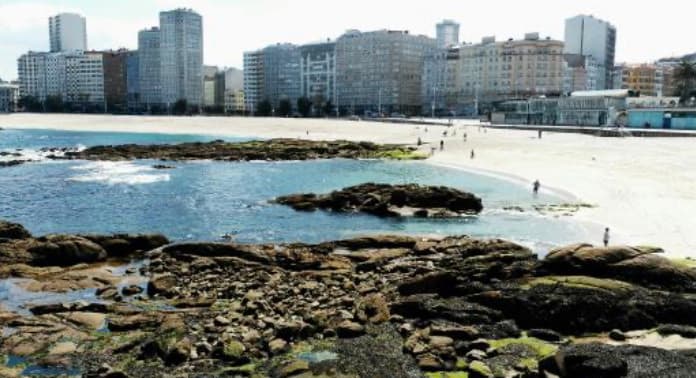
[(12, 163), (387, 200), (269, 150), (379, 306)]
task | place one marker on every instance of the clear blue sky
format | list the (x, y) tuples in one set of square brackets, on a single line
[(645, 31)]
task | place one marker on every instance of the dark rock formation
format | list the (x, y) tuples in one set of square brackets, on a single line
[(633, 264), (389, 200), (12, 163), (272, 149), (13, 231)]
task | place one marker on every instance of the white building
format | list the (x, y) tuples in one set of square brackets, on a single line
[(318, 72), (586, 35), (84, 79), (31, 69), (67, 32), (253, 80), (181, 56), (149, 81), (447, 34), (9, 96), (582, 73)]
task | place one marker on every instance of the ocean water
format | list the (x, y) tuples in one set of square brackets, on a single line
[(204, 200)]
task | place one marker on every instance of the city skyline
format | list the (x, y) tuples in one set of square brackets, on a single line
[(234, 27)]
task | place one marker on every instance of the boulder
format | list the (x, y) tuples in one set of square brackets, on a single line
[(348, 329), (65, 250), (10, 230), (162, 284), (639, 265)]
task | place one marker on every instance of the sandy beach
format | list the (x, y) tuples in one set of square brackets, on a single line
[(643, 189)]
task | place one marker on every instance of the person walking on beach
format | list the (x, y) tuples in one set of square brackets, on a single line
[(537, 184), (442, 145), (473, 155), (606, 237), (539, 133), (420, 142), (465, 137)]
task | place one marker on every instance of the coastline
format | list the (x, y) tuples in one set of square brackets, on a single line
[(644, 189)]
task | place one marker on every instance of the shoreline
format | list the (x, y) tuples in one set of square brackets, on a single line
[(643, 189)]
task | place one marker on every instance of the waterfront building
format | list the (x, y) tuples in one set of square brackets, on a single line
[(209, 85), (116, 79), (318, 73), (495, 71), (381, 71), (253, 80), (149, 67), (84, 79), (31, 69), (233, 90), (661, 118), (447, 34), (441, 87), (133, 81), (9, 97), (234, 101), (581, 73), (281, 74), (589, 36), (647, 79), (67, 32), (181, 56)]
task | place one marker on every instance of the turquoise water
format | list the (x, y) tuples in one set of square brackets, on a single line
[(204, 200)]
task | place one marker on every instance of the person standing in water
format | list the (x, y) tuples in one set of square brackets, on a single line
[(606, 237), (537, 184)]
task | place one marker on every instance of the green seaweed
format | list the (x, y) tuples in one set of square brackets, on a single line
[(541, 348)]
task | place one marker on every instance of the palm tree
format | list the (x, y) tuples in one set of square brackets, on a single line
[(685, 79)]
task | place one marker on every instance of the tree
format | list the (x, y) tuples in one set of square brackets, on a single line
[(180, 107), (284, 108), (304, 106), (54, 104), (30, 104), (685, 79), (264, 109)]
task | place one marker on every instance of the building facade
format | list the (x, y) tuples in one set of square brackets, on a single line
[(67, 32), (9, 97), (647, 79), (581, 73), (441, 88), (133, 81), (181, 56), (586, 35), (149, 67), (31, 70), (281, 74), (447, 34), (209, 85), (380, 71), (494, 71), (84, 79), (253, 80), (318, 73), (116, 79)]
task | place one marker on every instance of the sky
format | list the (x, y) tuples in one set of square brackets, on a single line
[(230, 27)]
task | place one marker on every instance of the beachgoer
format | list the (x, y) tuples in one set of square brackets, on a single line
[(432, 151), (539, 133), (465, 137), (307, 132), (442, 145), (537, 184), (606, 237), (420, 142), (473, 155), (426, 129)]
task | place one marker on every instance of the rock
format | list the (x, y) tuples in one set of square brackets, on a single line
[(389, 200), (277, 346), (134, 322), (89, 320), (13, 231), (107, 292), (430, 362), (638, 265), (373, 309), (459, 310), (348, 329), (440, 342), (478, 369), (222, 321), (234, 350), (65, 250), (688, 332), (617, 335), (545, 334), (12, 163), (66, 347), (162, 284), (131, 290), (294, 367), (162, 166)]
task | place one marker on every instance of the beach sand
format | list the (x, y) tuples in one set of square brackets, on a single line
[(644, 189)]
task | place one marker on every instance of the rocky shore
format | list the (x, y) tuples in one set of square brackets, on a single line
[(382, 306), (387, 200), (269, 150)]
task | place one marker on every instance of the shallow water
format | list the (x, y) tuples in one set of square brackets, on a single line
[(204, 200)]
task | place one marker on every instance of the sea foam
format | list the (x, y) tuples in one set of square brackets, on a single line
[(119, 172)]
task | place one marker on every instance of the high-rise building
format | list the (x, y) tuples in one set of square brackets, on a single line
[(447, 34), (233, 96), (586, 35), (181, 56), (281, 74), (149, 67), (380, 71), (581, 73), (318, 72), (31, 70), (209, 85), (133, 80), (440, 89), (84, 79), (116, 79), (67, 32), (9, 97), (253, 80)]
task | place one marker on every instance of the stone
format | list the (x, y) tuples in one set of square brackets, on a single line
[(430, 362), (277, 346), (10, 230), (688, 332), (221, 321), (347, 329), (66, 347), (131, 290), (545, 334), (617, 335), (478, 369), (294, 367), (234, 350), (162, 284)]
